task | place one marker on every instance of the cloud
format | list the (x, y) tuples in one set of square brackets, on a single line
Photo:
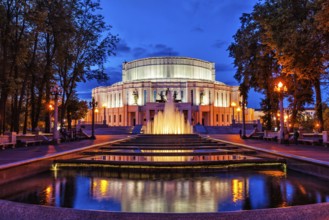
[(114, 73), (122, 48), (197, 29), (219, 44), (139, 52), (153, 51), (161, 50)]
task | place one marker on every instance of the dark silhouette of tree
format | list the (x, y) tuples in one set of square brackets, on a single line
[(46, 42), (292, 34), (83, 49), (76, 110), (255, 63), (280, 39)]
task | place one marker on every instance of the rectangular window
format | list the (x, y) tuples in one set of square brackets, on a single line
[(120, 118), (217, 117), (145, 94), (192, 101), (109, 118), (155, 95), (227, 118), (119, 99), (114, 118), (181, 95), (222, 117)]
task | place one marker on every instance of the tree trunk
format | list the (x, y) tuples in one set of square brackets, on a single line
[(243, 118), (318, 103), (33, 104), (69, 121), (26, 113)]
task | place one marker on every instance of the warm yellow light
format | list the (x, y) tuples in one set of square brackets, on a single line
[(48, 190), (280, 85), (104, 105), (274, 173), (50, 106), (317, 125), (238, 109), (104, 187), (233, 104), (237, 190), (96, 110)]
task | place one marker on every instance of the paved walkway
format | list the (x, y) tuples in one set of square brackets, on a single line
[(18, 154), (319, 153)]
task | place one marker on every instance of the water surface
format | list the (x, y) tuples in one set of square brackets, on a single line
[(142, 192)]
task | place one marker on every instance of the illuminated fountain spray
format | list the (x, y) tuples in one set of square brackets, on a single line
[(170, 121)]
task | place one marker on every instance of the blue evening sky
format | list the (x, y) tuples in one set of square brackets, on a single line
[(200, 29)]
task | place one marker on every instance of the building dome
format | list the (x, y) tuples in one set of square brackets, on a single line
[(159, 68)]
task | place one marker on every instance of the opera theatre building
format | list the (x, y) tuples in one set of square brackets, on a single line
[(147, 82)]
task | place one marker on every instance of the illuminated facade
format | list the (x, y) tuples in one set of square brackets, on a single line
[(141, 93)]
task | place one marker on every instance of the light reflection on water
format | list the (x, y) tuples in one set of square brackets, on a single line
[(172, 158), (168, 193)]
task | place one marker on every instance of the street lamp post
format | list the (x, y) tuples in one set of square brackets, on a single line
[(92, 105), (56, 91), (51, 109), (238, 110), (280, 88), (104, 120), (233, 104)]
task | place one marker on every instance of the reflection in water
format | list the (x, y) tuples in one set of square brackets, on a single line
[(170, 158), (168, 193), (237, 189)]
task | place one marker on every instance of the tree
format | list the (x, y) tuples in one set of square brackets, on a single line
[(41, 43), (13, 48), (83, 49), (326, 116), (76, 110), (255, 63), (298, 44), (280, 39)]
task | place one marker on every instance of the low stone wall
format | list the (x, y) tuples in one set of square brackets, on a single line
[(12, 210)]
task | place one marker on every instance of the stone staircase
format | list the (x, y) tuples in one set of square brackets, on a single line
[(137, 129)]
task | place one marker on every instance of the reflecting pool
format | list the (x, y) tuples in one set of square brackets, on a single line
[(141, 192)]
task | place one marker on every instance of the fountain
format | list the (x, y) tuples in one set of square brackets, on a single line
[(170, 121)]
